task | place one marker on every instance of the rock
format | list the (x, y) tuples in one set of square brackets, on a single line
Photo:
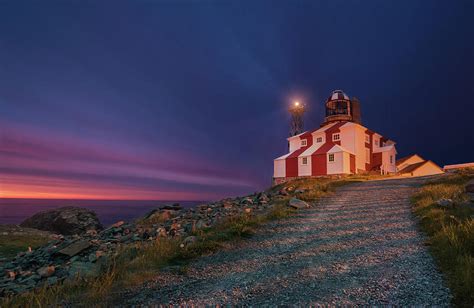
[(75, 248), (444, 202), (283, 192), (175, 207), (189, 240), (46, 271), (248, 210), (11, 275), (117, 224), (66, 220), (52, 280), (298, 204), (470, 186)]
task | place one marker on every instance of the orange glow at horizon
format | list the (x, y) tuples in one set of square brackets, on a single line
[(74, 191)]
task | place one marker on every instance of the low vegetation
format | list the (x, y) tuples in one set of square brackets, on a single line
[(14, 240), (135, 264), (451, 232)]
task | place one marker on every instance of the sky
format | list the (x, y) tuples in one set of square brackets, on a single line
[(187, 100)]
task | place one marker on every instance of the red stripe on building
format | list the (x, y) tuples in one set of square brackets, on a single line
[(318, 158), (352, 163), (291, 162)]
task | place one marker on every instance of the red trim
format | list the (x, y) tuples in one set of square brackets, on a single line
[(319, 164), (352, 163)]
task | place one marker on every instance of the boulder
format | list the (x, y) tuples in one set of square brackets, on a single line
[(46, 271), (65, 220), (298, 204), (470, 186)]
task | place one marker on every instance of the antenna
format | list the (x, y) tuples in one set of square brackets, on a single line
[(296, 110)]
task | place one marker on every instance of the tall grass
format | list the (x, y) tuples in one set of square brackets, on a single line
[(451, 232)]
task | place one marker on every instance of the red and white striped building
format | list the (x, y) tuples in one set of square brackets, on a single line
[(342, 145)]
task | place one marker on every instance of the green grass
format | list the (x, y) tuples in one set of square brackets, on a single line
[(451, 232), (135, 264), (10, 244)]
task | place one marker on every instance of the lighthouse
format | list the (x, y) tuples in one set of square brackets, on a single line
[(341, 144)]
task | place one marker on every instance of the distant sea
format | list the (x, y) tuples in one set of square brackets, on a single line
[(14, 211)]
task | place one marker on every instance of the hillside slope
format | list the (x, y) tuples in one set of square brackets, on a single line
[(358, 246)]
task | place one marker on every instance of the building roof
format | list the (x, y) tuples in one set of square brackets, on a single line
[(404, 159), (457, 166), (413, 167), (337, 148), (337, 94)]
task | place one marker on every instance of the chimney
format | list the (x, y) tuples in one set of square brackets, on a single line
[(355, 108)]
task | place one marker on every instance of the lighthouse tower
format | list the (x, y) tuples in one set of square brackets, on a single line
[(340, 108), (296, 110)]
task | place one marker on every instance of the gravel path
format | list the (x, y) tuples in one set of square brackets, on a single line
[(357, 246)]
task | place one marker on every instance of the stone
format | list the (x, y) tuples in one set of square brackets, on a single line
[(66, 220), (283, 192), (52, 280), (470, 186), (75, 248), (444, 202), (11, 275), (298, 204), (117, 224), (189, 240), (46, 271), (248, 210)]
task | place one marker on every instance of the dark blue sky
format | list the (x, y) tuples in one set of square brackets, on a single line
[(187, 99)]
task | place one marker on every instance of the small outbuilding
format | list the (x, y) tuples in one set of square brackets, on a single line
[(415, 165)]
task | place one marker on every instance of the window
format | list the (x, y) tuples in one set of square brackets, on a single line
[(304, 161), (336, 137), (319, 139), (376, 142), (391, 159), (367, 138), (367, 156), (304, 142), (331, 157)]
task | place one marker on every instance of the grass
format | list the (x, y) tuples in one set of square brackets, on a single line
[(135, 264), (11, 244), (451, 232)]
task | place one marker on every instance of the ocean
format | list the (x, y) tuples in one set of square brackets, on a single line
[(14, 211)]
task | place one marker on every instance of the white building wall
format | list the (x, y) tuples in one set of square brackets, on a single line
[(386, 165), (304, 170), (295, 143), (359, 133), (279, 168), (348, 138), (346, 168), (336, 166)]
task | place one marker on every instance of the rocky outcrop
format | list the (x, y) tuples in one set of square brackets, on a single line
[(85, 255), (66, 221)]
